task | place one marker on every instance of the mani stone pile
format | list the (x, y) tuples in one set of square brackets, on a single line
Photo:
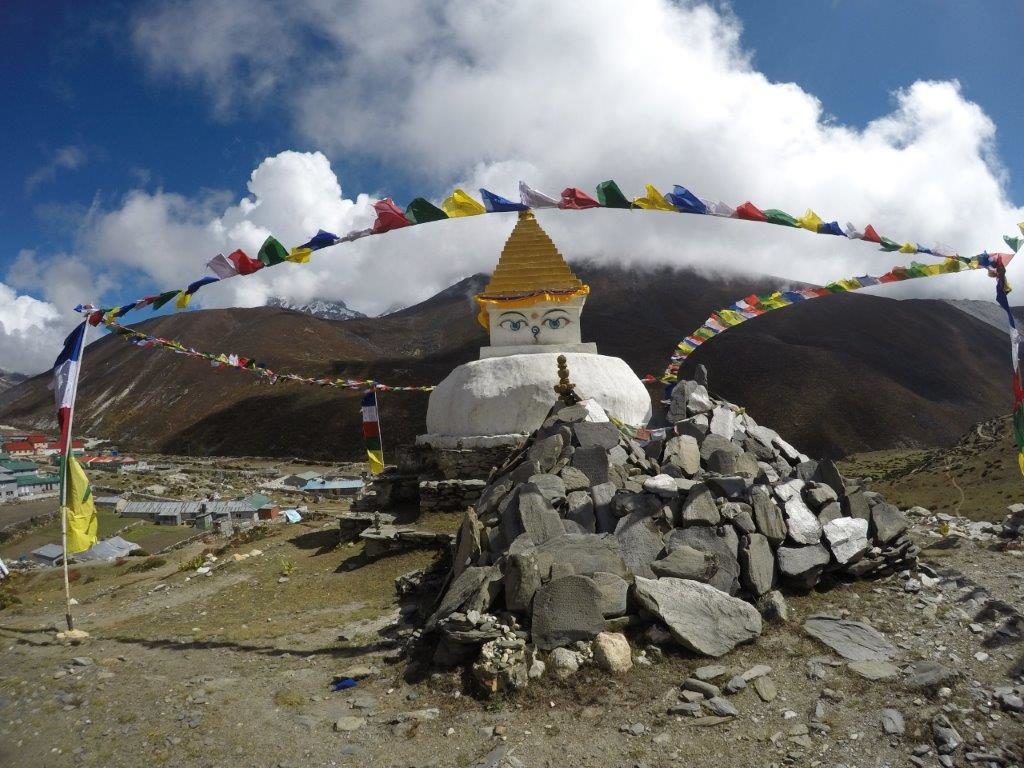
[(585, 531)]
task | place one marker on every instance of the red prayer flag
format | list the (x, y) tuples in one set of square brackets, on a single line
[(577, 200), (870, 235), (750, 212), (96, 318), (244, 264), (389, 216)]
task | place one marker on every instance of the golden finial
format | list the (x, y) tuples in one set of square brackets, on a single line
[(566, 389)]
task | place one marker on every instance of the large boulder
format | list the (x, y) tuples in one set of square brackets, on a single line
[(685, 562), (888, 522), (847, 537), (683, 452), (722, 542), (700, 617), (699, 508), (566, 610), (767, 515), (584, 554), (640, 542), (801, 566), (757, 564)]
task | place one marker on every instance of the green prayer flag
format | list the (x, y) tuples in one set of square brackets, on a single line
[(889, 245), (163, 298), (610, 196), (775, 216), (1014, 242), (272, 252), (421, 210)]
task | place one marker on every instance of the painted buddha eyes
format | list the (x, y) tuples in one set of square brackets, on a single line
[(554, 323), (553, 319), (513, 325)]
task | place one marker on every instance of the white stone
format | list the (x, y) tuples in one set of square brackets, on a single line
[(513, 394), (723, 422), (847, 538), (564, 662), (662, 485), (612, 652), (803, 526)]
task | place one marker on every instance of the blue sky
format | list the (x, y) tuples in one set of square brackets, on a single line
[(94, 114)]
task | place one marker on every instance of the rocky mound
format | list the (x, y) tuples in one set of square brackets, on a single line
[(586, 530)]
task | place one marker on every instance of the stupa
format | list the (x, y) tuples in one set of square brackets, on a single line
[(532, 308)]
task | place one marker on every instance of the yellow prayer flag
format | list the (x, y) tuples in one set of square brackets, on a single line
[(300, 255), (459, 203), (654, 200), (183, 299), (810, 220), (1021, 227), (730, 318), (376, 461), (908, 248), (80, 509)]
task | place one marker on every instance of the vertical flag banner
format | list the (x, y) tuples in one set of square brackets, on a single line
[(65, 379), (371, 433), (80, 509)]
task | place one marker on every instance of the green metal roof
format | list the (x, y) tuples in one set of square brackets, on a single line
[(37, 480), (17, 465)]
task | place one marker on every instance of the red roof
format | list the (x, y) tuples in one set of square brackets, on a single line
[(36, 438), (18, 447), (74, 444)]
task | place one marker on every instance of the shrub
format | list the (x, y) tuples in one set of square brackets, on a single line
[(146, 565), (190, 565)]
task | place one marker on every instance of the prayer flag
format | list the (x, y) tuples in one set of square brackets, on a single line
[(718, 208), (531, 198), (221, 267), (193, 287), (371, 432), (810, 220), (888, 245), (610, 196), (80, 511), (684, 200), (853, 233), (163, 298), (1014, 242), (458, 203), (870, 235), (750, 212), (272, 252), (65, 378), (321, 239), (184, 297), (421, 210), (908, 248), (389, 216), (498, 204), (300, 254), (577, 200), (775, 216), (831, 228), (243, 263), (653, 200)]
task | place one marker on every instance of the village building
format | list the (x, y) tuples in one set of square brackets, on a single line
[(35, 485), (48, 554), (333, 489), (114, 504), (8, 486), (20, 449), (299, 480), (188, 512), (19, 467)]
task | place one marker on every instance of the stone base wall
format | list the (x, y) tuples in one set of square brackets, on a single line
[(470, 463), (449, 495)]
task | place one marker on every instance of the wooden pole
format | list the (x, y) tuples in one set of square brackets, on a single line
[(380, 437), (64, 483)]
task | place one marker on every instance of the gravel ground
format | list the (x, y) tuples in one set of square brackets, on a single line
[(234, 669)]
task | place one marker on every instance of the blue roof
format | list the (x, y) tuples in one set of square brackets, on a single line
[(331, 485)]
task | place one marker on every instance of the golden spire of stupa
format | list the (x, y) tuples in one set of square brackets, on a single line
[(530, 264)]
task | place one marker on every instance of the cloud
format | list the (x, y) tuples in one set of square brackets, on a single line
[(31, 332), (557, 94), (67, 158)]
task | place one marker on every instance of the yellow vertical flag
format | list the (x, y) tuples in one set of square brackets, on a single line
[(80, 509), (458, 203)]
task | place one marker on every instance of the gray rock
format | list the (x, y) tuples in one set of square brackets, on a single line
[(735, 685), (773, 608), (856, 505), (831, 511), (758, 670), (828, 474), (618, 456), (699, 508), (739, 515), (700, 617), (522, 580), (721, 707), (947, 738), (584, 554), (564, 662), (579, 507), (757, 564), (767, 515), (723, 422), (462, 589), (712, 443), (614, 594), (734, 488), (574, 479), (721, 542), (709, 672), (467, 544), (592, 462), (684, 452), (604, 435), (662, 485), (695, 427), (603, 495), (492, 494), (685, 562), (348, 724), (566, 610), (817, 495), (640, 542), (888, 522), (850, 639), (873, 670), (892, 722), (806, 470), (639, 504), (538, 518), (701, 686), (765, 688), (847, 537), (725, 461), (698, 400), (801, 523), (801, 566), (546, 452), (551, 487), (930, 674)]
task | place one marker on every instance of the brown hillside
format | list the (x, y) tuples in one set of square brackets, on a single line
[(843, 374)]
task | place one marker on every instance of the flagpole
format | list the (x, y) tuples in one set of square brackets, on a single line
[(65, 469), (380, 438)]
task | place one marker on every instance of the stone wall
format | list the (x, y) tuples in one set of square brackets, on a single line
[(449, 495)]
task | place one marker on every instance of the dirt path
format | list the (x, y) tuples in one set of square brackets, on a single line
[(233, 669)]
